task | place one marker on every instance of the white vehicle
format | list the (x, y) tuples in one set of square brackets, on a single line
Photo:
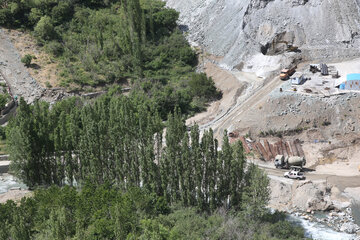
[(295, 175)]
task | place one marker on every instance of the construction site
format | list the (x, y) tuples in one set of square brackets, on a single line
[(320, 79), (286, 91)]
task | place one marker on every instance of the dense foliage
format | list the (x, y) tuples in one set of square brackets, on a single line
[(115, 140), (116, 173), (103, 42), (104, 212)]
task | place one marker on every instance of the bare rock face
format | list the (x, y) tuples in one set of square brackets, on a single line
[(305, 196), (255, 33), (311, 196), (257, 4)]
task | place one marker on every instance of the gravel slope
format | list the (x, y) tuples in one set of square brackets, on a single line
[(239, 30), (16, 74)]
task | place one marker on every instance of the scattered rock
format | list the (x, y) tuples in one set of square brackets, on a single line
[(349, 227)]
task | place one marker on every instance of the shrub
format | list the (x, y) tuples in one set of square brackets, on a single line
[(326, 123), (5, 16), (55, 48), (26, 60), (3, 101), (48, 85), (202, 86)]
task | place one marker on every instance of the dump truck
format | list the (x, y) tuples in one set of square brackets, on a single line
[(288, 162), (287, 72)]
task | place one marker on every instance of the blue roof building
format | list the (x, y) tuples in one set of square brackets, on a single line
[(353, 76), (352, 82)]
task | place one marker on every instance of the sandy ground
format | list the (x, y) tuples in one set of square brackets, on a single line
[(237, 88), (347, 67), (14, 195), (340, 169)]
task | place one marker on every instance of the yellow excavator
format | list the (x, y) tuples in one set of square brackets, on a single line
[(289, 47)]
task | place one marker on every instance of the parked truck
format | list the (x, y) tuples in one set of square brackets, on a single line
[(288, 162), (287, 72)]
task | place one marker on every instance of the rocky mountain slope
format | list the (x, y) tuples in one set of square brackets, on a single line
[(251, 34)]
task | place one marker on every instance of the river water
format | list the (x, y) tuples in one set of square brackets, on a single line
[(8, 181), (319, 231)]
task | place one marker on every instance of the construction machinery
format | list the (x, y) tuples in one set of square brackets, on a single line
[(287, 72), (288, 162), (289, 47), (314, 68)]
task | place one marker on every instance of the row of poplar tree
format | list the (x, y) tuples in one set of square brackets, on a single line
[(122, 141)]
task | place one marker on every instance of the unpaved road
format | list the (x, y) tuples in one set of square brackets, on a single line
[(238, 111), (341, 182), (255, 93)]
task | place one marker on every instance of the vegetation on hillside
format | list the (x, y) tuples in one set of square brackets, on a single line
[(115, 139), (104, 212), (100, 43), (101, 168), (127, 184)]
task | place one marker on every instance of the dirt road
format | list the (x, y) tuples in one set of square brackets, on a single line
[(255, 93), (341, 182)]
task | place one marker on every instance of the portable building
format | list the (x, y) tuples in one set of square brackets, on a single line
[(352, 85), (298, 79), (352, 82)]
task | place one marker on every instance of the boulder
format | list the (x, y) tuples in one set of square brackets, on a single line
[(349, 227)]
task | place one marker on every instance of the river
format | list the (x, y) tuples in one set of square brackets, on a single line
[(8, 181), (319, 231)]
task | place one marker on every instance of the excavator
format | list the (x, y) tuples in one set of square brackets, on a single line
[(289, 47)]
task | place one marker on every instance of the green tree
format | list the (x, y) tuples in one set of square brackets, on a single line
[(256, 193), (21, 138), (44, 29), (237, 171), (224, 167)]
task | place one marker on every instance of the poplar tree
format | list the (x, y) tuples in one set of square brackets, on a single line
[(21, 140), (186, 185), (197, 163), (174, 133), (212, 170), (224, 168), (237, 166), (256, 193)]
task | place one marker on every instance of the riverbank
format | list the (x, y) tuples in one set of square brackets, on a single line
[(320, 208)]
